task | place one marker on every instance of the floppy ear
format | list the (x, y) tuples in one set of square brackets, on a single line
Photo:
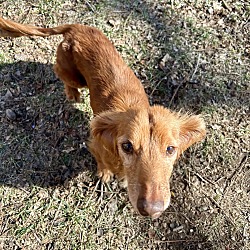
[(192, 130), (104, 127)]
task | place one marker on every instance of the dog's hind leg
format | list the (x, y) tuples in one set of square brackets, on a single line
[(67, 71)]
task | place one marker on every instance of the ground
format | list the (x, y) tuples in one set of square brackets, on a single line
[(192, 56)]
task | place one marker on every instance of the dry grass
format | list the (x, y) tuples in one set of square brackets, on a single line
[(190, 55)]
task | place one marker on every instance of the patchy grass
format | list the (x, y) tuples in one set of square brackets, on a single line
[(190, 55)]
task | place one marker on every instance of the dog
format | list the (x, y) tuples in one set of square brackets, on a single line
[(129, 139)]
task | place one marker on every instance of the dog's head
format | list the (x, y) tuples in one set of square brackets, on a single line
[(147, 142)]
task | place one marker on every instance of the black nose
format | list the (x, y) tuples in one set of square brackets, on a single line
[(150, 208)]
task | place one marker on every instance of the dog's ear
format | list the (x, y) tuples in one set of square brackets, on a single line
[(104, 127), (192, 130)]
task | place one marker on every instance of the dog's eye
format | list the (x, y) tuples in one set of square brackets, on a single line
[(170, 150), (127, 147)]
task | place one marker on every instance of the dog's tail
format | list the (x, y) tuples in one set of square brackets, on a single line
[(12, 29)]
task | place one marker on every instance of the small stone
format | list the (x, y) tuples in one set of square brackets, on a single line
[(10, 114), (8, 95), (156, 224), (113, 207), (164, 224), (151, 233), (203, 208), (113, 23), (172, 225), (99, 232), (166, 59), (210, 10), (179, 228)]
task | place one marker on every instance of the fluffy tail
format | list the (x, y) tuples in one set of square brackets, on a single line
[(12, 29)]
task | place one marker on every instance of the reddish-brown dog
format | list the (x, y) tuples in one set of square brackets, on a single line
[(129, 138)]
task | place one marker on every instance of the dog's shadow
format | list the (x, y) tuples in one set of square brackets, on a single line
[(43, 136)]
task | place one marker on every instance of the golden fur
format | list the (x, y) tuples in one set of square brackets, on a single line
[(129, 138)]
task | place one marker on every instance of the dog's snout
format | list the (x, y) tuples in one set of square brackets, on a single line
[(150, 208)]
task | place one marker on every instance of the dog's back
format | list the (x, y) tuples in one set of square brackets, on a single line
[(86, 58), (111, 82)]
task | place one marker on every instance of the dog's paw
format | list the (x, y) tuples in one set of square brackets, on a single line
[(74, 98), (105, 175), (72, 94)]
